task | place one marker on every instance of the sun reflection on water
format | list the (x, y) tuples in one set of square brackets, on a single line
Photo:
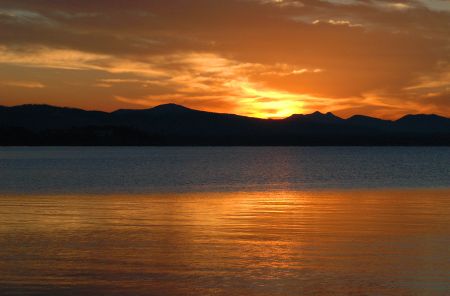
[(241, 243)]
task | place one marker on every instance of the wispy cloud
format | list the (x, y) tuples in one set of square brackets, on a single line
[(24, 84)]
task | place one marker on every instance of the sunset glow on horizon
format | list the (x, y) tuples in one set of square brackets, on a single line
[(259, 58)]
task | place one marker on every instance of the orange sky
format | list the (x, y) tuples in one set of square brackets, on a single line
[(262, 58)]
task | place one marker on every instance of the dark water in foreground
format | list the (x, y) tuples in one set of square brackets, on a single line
[(224, 221)]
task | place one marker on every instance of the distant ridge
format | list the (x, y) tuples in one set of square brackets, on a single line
[(316, 117), (160, 108), (172, 124), (171, 107)]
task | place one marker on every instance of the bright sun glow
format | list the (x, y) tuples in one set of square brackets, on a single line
[(268, 103)]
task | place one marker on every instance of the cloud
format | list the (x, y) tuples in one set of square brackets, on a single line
[(314, 54), (24, 84), (337, 23)]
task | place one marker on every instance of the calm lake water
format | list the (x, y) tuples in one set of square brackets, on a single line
[(225, 221), (206, 169)]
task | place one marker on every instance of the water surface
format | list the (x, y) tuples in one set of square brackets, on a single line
[(193, 169), (225, 221), (284, 243)]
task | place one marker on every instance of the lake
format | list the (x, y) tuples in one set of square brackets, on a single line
[(205, 169), (225, 221)]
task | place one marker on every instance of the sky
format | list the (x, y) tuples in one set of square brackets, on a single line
[(259, 58)]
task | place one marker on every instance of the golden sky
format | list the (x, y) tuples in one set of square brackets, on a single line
[(262, 58)]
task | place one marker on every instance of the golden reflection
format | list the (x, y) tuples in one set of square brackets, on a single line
[(236, 243)]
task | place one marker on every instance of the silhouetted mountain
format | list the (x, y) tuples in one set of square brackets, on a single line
[(161, 109), (172, 124), (424, 122), (367, 121), (41, 117), (316, 117)]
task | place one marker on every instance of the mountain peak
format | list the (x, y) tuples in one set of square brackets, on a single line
[(421, 116), (359, 117), (424, 121), (322, 115), (316, 116), (164, 108), (170, 107)]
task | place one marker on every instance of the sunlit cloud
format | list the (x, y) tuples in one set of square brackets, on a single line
[(76, 60), (337, 23), (24, 84), (263, 58), (399, 6), (284, 3), (436, 81), (24, 17)]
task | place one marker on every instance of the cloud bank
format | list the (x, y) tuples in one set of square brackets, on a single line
[(264, 58)]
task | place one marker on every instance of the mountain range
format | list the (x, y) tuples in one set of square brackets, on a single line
[(172, 124)]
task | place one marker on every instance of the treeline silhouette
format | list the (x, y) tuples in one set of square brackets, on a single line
[(170, 124)]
